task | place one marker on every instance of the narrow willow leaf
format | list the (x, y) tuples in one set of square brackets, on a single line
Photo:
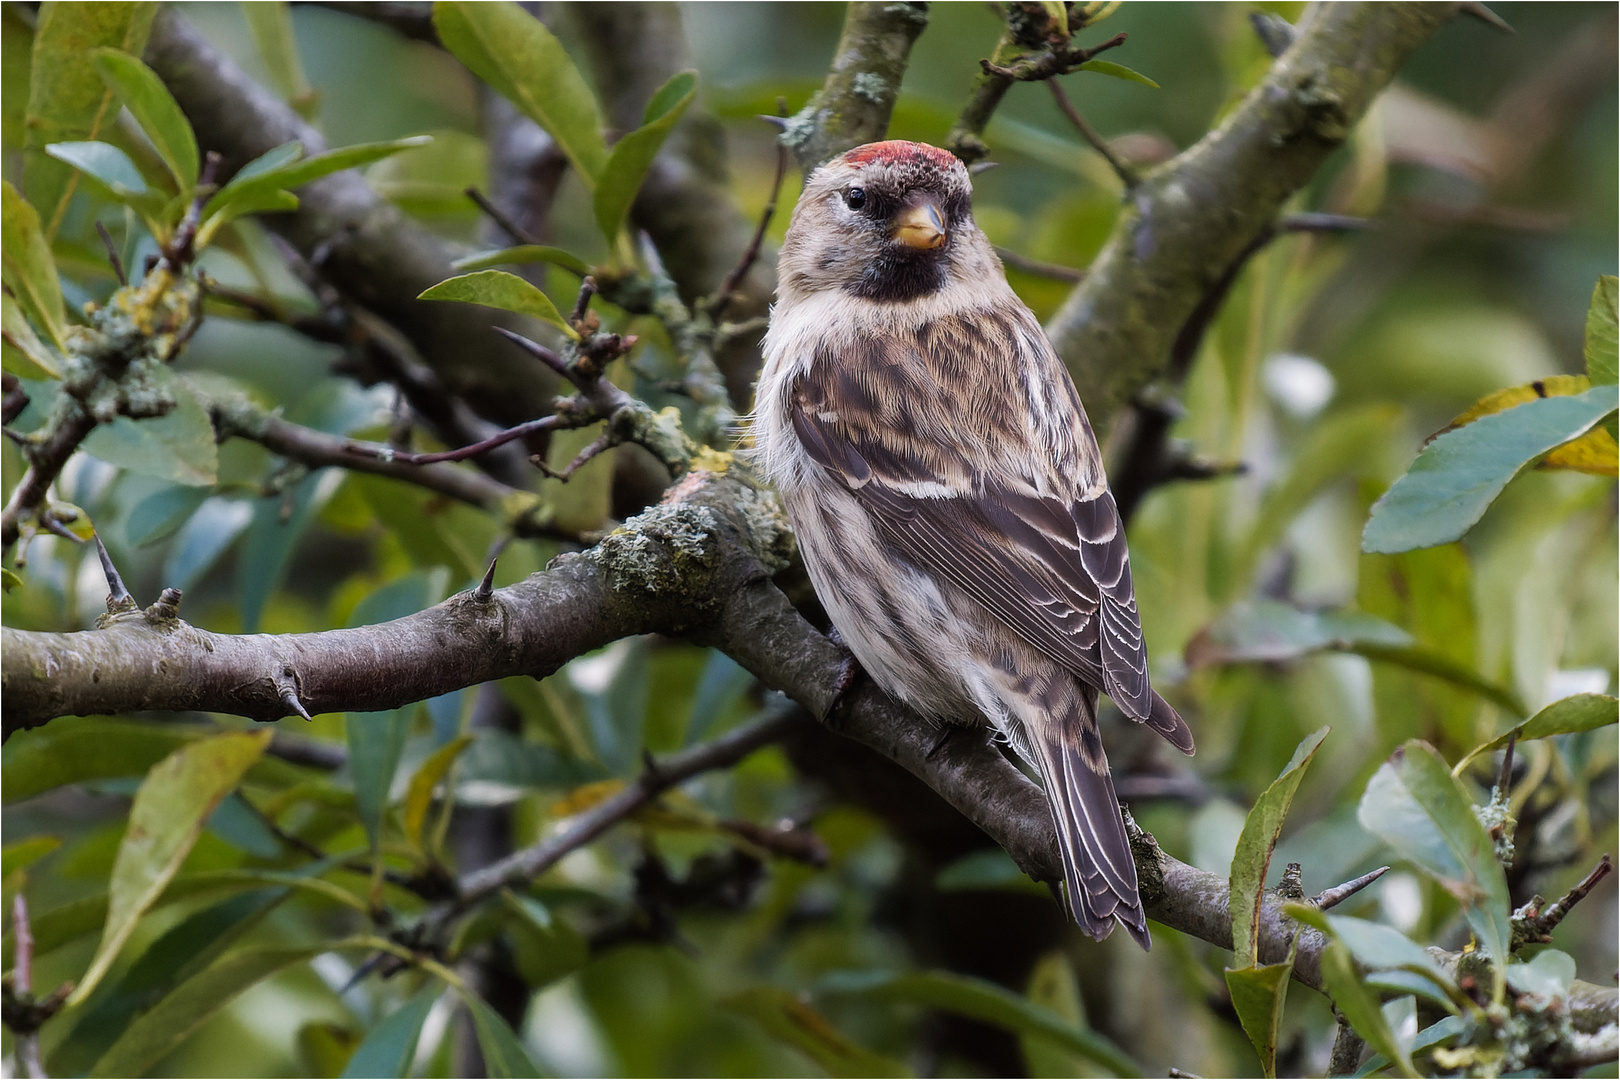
[(156, 111), (29, 270), (164, 822), (1360, 1006), (26, 356), (157, 1032), (1118, 71), (1252, 859), (504, 1056), (1458, 475), (1579, 712), (524, 253), (633, 155), (1417, 807), (419, 797), (376, 741), (262, 184), (498, 289), (1258, 996), (980, 999), (390, 1047), (272, 28), (547, 946), (1602, 338), (105, 162), (794, 1022), (26, 852), (514, 52), (67, 101)]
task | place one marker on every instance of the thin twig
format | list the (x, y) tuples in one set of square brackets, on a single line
[(523, 866), (500, 438), (118, 598), (1038, 268), (112, 253), (1126, 174), (515, 232), (1538, 925), (1038, 67), (723, 295), (179, 250), (16, 399)]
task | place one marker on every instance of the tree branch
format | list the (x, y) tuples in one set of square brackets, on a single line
[(1189, 220), (854, 103)]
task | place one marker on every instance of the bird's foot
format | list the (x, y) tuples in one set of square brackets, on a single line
[(939, 744), (850, 672)]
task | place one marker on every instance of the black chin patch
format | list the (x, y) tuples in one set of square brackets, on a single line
[(895, 276)]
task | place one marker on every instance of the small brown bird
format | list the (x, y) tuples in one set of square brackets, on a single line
[(948, 493)]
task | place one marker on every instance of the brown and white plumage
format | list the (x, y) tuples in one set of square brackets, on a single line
[(948, 494)]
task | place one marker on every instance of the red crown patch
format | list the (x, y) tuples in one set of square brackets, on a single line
[(899, 151)]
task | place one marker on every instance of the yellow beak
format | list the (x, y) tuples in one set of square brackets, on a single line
[(921, 226)]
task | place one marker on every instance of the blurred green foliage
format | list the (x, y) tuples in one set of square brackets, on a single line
[(674, 945)]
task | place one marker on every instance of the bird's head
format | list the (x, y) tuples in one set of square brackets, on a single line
[(888, 221)]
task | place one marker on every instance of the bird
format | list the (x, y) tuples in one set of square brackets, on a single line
[(948, 495)]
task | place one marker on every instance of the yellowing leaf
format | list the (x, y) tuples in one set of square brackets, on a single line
[(586, 796), (1595, 452), (420, 796)]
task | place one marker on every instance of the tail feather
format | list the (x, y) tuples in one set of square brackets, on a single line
[(1097, 864), (1164, 719)]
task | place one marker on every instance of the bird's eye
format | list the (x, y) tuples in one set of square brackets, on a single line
[(855, 198)]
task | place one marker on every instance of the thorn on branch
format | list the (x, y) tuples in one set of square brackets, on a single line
[(289, 698), (118, 598), (1328, 898), (166, 608), (538, 351), (515, 232), (1275, 32), (486, 587), (1485, 15), (112, 253), (1038, 268)]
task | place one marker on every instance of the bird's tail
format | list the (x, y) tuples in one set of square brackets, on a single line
[(1097, 864)]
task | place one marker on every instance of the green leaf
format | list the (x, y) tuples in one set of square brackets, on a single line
[(9, 579), (1258, 995), (178, 446), (524, 253), (29, 271), (271, 539), (183, 949), (419, 797), (161, 513), (1252, 859), (376, 741), (74, 749), (1548, 975), (1602, 345), (390, 1047), (1118, 71), (498, 289), (16, 47), (1360, 1006), (26, 852), (26, 356), (282, 169), (794, 1022), (156, 111), (633, 155), (1392, 960), (513, 52), (1052, 985), (157, 1032), (1458, 475), (271, 24), (67, 101), (105, 162), (504, 1056), (167, 816), (979, 999), (547, 947), (1417, 807), (1579, 712)]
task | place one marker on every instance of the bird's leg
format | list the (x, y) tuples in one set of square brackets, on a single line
[(939, 744), (849, 672)]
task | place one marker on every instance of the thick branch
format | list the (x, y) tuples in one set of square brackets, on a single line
[(1189, 220), (853, 105)]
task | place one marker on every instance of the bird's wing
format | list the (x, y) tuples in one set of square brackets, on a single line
[(1051, 567)]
